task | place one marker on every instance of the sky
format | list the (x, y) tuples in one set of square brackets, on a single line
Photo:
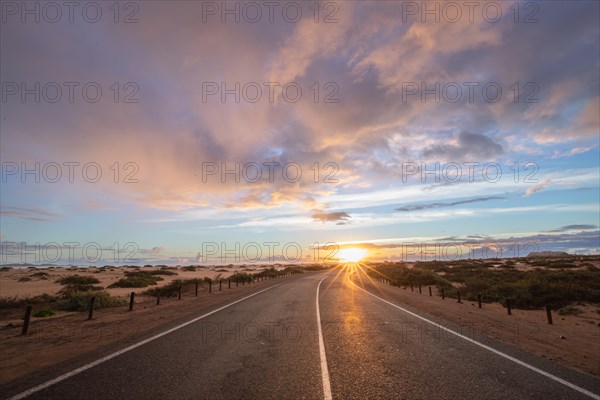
[(206, 133)]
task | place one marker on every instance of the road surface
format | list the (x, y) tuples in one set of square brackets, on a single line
[(271, 345)]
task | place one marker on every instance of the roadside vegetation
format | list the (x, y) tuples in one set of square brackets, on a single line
[(553, 283), (80, 300), (78, 280), (77, 289), (140, 279), (172, 289)]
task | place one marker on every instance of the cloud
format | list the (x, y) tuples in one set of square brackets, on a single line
[(463, 146), (419, 207), (489, 246), (582, 126), (540, 186), (330, 217), (32, 214), (306, 45), (422, 48), (582, 227), (369, 53), (571, 152), (153, 251)]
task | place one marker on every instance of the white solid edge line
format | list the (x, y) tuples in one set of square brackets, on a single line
[(324, 370), (125, 350), (513, 359)]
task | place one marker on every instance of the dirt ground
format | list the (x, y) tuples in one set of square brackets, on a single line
[(571, 340), (63, 336)]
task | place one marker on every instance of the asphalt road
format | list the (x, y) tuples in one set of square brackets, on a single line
[(267, 346)]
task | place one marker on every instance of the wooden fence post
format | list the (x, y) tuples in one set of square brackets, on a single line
[(549, 314), (91, 310), (508, 307), (157, 296), (131, 300), (26, 320)]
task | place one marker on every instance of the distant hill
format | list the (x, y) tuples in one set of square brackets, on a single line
[(548, 254)]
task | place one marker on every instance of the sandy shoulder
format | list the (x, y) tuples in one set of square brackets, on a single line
[(66, 335), (573, 341)]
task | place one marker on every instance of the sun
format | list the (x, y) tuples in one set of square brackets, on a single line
[(351, 254)]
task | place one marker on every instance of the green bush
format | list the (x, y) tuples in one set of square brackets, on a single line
[(529, 289), (562, 265), (132, 282), (400, 275), (316, 267), (241, 277), (136, 280), (268, 273), (24, 279), (78, 280), (525, 289), (44, 312), (78, 288), (172, 289), (292, 270), (162, 272), (435, 266), (80, 301)]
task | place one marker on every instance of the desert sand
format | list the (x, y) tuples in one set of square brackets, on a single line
[(10, 285)]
